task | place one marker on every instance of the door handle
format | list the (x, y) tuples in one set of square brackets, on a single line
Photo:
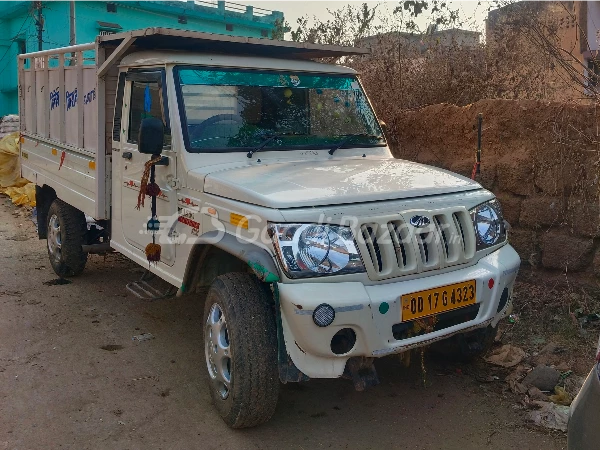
[(127, 155)]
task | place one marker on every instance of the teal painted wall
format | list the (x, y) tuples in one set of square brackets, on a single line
[(17, 27)]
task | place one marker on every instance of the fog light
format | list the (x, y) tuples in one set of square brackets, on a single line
[(323, 315), (343, 341)]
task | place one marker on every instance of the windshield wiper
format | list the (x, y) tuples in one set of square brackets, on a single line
[(348, 138), (269, 138)]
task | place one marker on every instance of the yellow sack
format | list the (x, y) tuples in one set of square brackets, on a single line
[(24, 195), (10, 169), (20, 190)]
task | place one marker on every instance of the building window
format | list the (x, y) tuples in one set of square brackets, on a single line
[(111, 7), (182, 19), (264, 33), (229, 27), (21, 47), (106, 28)]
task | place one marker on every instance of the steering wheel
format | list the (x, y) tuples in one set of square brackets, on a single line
[(196, 133)]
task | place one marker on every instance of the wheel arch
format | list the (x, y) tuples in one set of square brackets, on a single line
[(44, 196), (216, 254)]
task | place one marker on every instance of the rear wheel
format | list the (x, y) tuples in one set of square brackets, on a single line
[(65, 236), (240, 348)]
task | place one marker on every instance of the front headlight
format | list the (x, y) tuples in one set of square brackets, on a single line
[(489, 224), (315, 250)]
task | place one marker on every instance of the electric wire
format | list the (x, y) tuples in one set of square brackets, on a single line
[(12, 41)]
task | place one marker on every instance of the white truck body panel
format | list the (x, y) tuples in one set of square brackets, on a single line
[(295, 184)]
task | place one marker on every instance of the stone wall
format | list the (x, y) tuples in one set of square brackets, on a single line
[(540, 159)]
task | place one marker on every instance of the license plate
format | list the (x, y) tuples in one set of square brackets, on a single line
[(437, 300)]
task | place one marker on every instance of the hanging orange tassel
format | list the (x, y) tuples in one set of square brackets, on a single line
[(144, 180), (153, 252)]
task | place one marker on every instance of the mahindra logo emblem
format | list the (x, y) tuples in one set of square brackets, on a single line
[(419, 221)]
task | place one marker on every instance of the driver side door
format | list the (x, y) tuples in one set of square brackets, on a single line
[(146, 96)]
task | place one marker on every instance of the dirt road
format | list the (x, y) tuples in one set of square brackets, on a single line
[(72, 377)]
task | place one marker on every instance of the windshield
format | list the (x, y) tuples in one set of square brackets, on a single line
[(229, 110)]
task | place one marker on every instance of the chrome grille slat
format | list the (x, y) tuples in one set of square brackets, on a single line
[(459, 228), (429, 249), (393, 248), (402, 245), (463, 219), (451, 238), (367, 234)]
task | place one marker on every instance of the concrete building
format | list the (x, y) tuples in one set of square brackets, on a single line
[(27, 26), (577, 28)]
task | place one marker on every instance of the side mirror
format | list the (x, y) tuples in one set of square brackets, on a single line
[(151, 136)]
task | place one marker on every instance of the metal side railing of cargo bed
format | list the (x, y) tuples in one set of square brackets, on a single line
[(62, 108)]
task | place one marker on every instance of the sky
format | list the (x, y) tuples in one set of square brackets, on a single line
[(294, 9)]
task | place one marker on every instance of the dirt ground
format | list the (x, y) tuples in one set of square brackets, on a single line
[(72, 377)]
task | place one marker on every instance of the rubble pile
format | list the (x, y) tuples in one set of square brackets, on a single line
[(8, 124), (542, 381)]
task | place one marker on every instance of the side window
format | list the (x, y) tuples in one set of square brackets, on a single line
[(118, 108), (147, 100)]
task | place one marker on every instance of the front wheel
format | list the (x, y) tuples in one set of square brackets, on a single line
[(240, 347), (66, 235)]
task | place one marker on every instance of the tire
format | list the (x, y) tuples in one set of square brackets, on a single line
[(66, 234), (240, 348), (467, 346)]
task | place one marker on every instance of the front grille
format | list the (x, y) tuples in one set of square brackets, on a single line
[(391, 247)]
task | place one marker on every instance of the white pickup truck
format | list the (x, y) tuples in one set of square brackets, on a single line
[(271, 183)]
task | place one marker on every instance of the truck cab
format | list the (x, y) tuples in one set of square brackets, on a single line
[(272, 185)]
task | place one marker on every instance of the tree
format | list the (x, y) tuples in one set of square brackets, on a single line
[(281, 27), (347, 26)]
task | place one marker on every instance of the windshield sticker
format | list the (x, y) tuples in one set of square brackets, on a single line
[(288, 94), (252, 78), (354, 85)]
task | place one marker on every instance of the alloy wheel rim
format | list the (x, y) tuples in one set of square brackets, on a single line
[(217, 351), (54, 237)]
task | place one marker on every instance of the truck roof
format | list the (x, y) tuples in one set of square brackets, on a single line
[(162, 57), (158, 38)]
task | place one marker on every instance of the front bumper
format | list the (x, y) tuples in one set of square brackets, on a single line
[(358, 307)]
